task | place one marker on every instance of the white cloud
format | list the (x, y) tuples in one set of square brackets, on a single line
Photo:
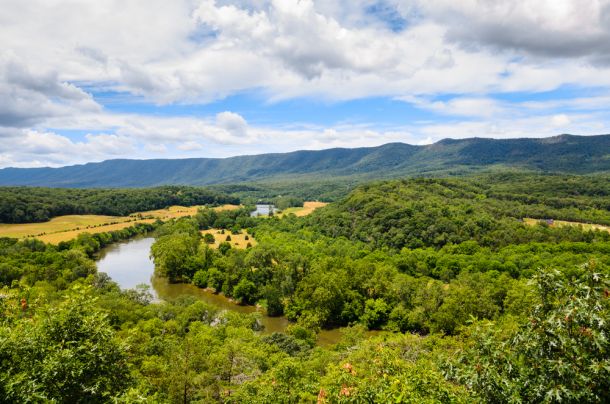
[(196, 51), (190, 146), (544, 28), (233, 123), (34, 148), (560, 120)]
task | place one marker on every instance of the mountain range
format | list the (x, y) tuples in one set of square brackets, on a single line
[(558, 154)]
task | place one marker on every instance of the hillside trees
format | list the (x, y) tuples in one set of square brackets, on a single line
[(559, 355)]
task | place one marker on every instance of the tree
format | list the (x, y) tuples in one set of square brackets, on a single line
[(172, 253), (559, 355), (66, 353), (200, 279), (245, 291), (224, 247), (209, 238), (376, 313)]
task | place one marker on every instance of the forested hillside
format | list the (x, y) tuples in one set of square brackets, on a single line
[(26, 205), (565, 153), (471, 303), (488, 209)]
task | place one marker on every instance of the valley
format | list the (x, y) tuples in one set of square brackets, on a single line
[(305, 201), (414, 275)]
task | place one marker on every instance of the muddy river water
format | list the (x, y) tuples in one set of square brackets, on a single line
[(129, 264)]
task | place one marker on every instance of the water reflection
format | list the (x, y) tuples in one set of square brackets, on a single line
[(263, 210), (128, 263), (169, 291)]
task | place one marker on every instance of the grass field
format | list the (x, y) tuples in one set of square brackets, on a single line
[(55, 238), (237, 240), (307, 208), (59, 224), (586, 226), (64, 228)]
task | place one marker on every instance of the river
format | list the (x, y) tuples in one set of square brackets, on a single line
[(128, 263)]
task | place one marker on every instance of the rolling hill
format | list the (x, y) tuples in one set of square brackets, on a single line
[(562, 154)]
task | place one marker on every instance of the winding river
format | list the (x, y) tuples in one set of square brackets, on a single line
[(129, 264)]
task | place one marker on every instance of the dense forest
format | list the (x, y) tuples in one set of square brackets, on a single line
[(26, 205), (470, 303)]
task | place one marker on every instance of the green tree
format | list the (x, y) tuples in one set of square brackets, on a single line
[(173, 253), (245, 291), (67, 353), (559, 355)]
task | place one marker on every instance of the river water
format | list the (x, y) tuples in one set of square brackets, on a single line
[(129, 264), (263, 210)]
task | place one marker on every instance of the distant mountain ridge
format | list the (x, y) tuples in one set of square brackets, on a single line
[(564, 153)]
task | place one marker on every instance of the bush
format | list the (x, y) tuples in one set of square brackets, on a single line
[(209, 238)]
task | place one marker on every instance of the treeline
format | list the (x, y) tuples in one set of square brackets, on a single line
[(91, 342), (321, 281), (26, 204)]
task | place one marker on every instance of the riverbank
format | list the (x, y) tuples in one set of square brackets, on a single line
[(128, 263)]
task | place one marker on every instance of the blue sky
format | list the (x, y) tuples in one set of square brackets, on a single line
[(205, 78)]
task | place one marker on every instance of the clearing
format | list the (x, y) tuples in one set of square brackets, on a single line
[(586, 226), (237, 240), (308, 207), (64, 228)]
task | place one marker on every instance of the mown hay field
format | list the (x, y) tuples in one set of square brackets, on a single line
[(64, 228), (237, 240), (308, 208)]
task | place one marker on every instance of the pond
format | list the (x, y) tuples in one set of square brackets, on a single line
[(129, 264)]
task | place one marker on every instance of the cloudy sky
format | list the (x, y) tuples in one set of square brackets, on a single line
[(89, 80)]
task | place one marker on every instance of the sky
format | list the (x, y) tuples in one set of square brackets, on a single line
[(91, 80)]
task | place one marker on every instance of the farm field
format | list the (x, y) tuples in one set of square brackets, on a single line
[(237, 240), (558, 223), (308, 208), (64, 228)]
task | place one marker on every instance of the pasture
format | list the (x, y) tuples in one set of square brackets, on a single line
[(64, 228), (237, 240), (308, 208)]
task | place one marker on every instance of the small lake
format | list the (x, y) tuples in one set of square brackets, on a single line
[(263, 210), (129, 264)]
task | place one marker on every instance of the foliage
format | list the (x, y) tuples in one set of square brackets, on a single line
[(559, 355), (26, 204), (66, 353), (457, 317)]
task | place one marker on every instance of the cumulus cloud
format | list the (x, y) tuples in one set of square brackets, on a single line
[(45, 148), (448, 58), (29, 96), (545, 28), (233, 123)]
